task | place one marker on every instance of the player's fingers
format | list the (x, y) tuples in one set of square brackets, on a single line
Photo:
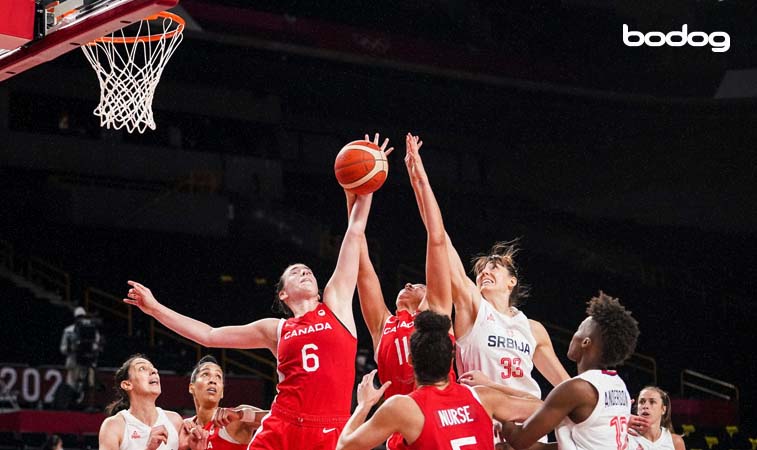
[(383, 388), (367, 138), (368, 377), (376, 139), (389, 151)]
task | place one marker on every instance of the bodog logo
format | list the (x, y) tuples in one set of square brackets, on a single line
[(720, 41)]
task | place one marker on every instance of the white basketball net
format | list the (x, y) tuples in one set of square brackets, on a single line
[(129, 68)]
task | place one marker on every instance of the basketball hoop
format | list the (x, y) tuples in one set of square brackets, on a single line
[(129, 68)]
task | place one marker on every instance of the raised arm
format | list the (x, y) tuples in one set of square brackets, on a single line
[(372, 303), (545, 359), (438, 287), (337, 294), (258, 334)]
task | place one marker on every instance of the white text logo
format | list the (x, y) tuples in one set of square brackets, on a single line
[(720, 41)]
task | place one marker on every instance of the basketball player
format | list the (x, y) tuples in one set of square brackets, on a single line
[(440, 414), (214, 427), (495, 340), (315, 349), (391, 332), (653, 404), (590, 411), (135, 423)]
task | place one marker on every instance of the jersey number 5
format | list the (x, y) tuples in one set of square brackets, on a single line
[(310, 360)]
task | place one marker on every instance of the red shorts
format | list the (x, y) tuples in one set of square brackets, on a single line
[(395, 442), (285, 430)]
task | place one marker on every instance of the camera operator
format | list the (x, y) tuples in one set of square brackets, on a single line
[(81, 343)]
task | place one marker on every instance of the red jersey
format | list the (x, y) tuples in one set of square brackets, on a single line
[(316, 364), (454, 419), (219, 439), (393, 352)]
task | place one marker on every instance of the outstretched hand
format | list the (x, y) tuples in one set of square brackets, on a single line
[(141, 297), (367, 394), (382, 147), (413, 160)]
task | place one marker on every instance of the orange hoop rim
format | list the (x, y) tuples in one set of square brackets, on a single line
[(180, 23)]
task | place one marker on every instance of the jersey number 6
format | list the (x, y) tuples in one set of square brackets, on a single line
[(310, 360)]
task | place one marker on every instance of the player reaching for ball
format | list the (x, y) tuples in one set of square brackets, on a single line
[(315, 349), (390, 333)]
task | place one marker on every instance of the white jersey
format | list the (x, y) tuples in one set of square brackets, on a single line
[(137, 432), (607, 426), (500, 346), (664, 442)]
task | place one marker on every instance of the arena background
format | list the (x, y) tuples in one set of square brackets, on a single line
[(630, 170)]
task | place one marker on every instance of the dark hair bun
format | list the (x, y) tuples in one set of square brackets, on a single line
[(430, 322)]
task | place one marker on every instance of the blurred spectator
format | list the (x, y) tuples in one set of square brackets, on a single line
[(53, 442)]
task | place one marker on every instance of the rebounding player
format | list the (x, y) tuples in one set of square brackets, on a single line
[(590, 411), (135, 423), (214, 427), (653, 405), (315, 349), (440, 414), (391, 332), (496, 342)]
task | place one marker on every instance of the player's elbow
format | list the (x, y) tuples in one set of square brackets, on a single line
[(436, 238), (344, 444)]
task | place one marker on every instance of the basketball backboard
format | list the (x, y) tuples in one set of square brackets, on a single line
[(39, 31)]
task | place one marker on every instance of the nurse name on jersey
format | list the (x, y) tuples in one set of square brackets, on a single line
[(307, 329), (616, 397), (454, 416), (399, 325), (509, 343)]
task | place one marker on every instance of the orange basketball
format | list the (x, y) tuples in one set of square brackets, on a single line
[(361, 167)]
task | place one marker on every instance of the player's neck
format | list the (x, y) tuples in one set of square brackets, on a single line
[(653, 433), (441, 384), (589, 363), (303, 306), (204, 414), (144, 410), (500, 302)]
